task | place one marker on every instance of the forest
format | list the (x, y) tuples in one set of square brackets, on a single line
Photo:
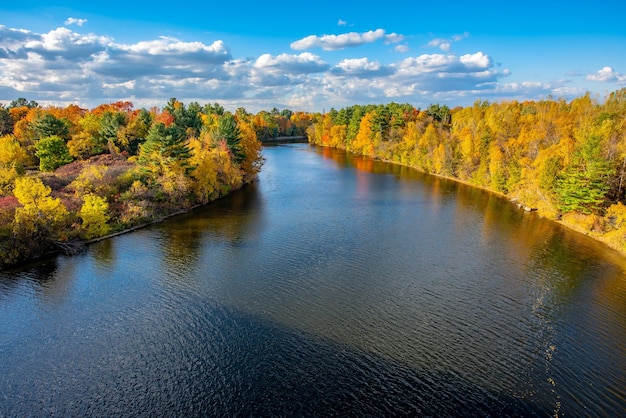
[(71, 175), (567, 160)]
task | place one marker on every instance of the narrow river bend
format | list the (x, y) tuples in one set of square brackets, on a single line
[(335, 285)]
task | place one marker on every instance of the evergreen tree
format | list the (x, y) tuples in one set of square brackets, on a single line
[(165, 146), (586, 181), (52, 152), (228, 131), (6, 121), (49, 125)]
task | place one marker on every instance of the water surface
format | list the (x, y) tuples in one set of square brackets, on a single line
[(335, 285)]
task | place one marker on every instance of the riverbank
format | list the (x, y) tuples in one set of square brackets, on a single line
[(579, 223), (87, 201), (79, 246), (285, 140)]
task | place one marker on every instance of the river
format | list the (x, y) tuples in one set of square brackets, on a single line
[(333, 286)]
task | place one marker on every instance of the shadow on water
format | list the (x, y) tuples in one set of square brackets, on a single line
[(247, 367)]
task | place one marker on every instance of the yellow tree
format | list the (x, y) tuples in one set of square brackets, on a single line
[(497, 170), (204, 177), (439, 159), (363, 142), (39, 213), (12, 159), (91, 180), (94, 214), (251, 149), (85, 141), (338, 136)]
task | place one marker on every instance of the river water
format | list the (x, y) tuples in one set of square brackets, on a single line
[(333, 286)]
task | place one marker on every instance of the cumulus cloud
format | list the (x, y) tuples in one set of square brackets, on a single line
[(304, 63), (361, 68), (607, 75), (64, 66), (285, 69), (394, 38), (341, 22), (74, 21), (413, 78), (336, 42), (401, 48), (446, 43), (89, 66)]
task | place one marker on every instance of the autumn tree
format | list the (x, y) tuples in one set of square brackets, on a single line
[(39, 214), (95, 217), (12, 160), (251, 149), (87, 142)]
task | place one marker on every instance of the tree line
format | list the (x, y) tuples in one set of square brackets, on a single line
[(69, 175), (565, 159)]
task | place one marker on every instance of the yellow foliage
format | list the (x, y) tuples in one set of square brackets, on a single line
[(91, 180), (209, 121), (174, 182), (7, 179), (251, 148), (229, 175), (338, 135), (616, 214), (39, 209), (205, 175), (81, 145), (439, 157), (11, 151), (616, 219), (362, 144), (94, 214)]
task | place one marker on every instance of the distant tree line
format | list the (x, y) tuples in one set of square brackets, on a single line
[(566, 159)]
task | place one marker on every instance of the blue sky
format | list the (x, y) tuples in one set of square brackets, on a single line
[(309, 56)]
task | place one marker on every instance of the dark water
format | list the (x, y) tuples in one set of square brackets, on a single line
[(335, 286)]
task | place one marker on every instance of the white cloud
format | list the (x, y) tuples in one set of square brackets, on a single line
[(63, 66), (436, 43), (393, 38), (341, 22), (401, 48), (285, 69), (445, 44), (476, 61), (336, 42), (361, 68), (304, 63), (607, 75), (74, 21), (414, 79)]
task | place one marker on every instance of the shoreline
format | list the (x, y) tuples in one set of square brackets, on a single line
[(76, 247), (521, 205)]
